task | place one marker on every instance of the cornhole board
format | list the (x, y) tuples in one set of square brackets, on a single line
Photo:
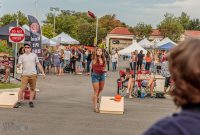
[(8, 99), (159, 77), (109, 105)]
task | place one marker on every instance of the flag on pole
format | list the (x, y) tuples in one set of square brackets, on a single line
[(91, 14)]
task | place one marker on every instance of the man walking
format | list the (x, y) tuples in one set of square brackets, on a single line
[(29, 74)]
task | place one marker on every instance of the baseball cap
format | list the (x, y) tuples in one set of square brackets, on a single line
[(28, 45)]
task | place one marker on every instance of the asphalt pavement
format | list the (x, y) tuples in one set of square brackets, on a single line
[(63, 107)]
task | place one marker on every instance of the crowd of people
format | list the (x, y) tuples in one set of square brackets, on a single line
[(71, 60), (142, 71)]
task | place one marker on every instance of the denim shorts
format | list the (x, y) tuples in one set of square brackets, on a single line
[(98, 77), (144, 83), (61, 64)]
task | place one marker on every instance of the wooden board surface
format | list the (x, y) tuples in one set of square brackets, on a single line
[(8, 99), (159, 77), (109, 105)]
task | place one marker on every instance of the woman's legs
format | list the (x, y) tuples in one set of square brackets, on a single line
[(151, 85), (130, 87), (7, 71), (95, 95), (101, 86), (55, 70)]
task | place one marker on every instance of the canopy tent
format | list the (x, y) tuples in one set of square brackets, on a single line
[(4, 31), (135, 46), (155, 41), (145, 43), (167, 46), (165, 41), (48, 41), (64, 38)]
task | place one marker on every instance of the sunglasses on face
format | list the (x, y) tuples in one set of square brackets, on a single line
[(27, 47)]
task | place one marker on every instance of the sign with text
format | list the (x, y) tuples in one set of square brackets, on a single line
[(35, 35), (16, 35)]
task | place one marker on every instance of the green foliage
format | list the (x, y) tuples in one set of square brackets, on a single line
[(184, 20), (86, 33), (194, 24), (143, 30), (8, 86), (108, 23), (5, 49), (47, 30), (171, 27), (8, 18), (82, 27)]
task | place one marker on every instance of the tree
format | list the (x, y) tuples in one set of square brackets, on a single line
[(109, 22), (8, 18), (143, 30), (86, 33), (82, 27), (184, 20), (194, 24), (47, 30), (171, 27)]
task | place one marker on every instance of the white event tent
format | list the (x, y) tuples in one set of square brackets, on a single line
[(165, 41), (134, 46), (47, 41), (155, 41), (64, 38), (145, 43)]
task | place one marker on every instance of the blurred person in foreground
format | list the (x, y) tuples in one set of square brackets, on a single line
[(185, 71)]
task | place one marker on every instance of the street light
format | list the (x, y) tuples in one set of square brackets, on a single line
[(36, 13), (54, 19)]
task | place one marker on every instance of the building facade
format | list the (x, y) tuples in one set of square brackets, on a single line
[(119, 38)]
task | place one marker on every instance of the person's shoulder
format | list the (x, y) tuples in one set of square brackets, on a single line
[(21, 56), (159, 128), (33, 54)]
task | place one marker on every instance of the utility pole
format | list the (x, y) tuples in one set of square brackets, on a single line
[(55, 9)]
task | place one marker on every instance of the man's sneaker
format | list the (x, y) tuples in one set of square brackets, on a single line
[(18, 105), (31, 104)]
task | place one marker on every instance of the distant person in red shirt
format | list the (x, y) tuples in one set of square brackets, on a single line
[(98, 75), (6, 65)]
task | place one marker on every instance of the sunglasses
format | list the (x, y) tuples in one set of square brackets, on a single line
[(26, 47)]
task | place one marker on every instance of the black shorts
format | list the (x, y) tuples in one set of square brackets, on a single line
[(167, 82)]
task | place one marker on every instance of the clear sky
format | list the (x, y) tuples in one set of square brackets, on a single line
[(129, 11)]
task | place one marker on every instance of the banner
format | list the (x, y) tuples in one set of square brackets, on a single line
[(35, 34)]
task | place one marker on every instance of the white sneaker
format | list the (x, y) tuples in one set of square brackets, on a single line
[(130, 96), (127, 91)]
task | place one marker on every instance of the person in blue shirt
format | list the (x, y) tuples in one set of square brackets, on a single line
[(184, 66)]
